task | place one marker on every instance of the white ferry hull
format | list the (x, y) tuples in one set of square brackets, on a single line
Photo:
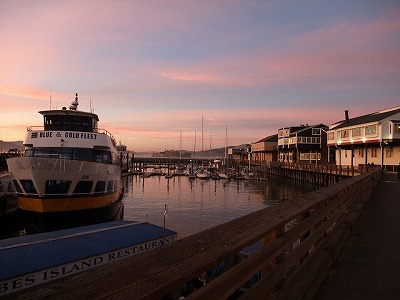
[(32, 175)]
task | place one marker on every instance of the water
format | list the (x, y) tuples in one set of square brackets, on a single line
[(189, 205), (194, 205)]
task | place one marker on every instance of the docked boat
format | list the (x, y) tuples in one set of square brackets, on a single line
[(70, 168), (8, 202)]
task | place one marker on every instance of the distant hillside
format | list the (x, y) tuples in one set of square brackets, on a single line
[(215, 153), (5, 146)]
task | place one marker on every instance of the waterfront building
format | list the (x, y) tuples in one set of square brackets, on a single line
[(369, 139), (265, 150), (303, 144), (238, 153)]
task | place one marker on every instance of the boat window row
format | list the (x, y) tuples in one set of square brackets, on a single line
[(86, 154), (61, 187), (68, 122)]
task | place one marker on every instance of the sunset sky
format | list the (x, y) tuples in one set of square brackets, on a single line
[(151, 69)]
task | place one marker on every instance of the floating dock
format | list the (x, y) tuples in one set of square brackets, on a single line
[(34, 259)]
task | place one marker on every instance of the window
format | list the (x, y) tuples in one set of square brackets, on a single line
[(389, 152), (28, 186), (110, 186), (83, 187), (360, 152), (355, 132), (396, 127), (345, 134), (373, 152), (370, 130), (100, 187), (283, 132), (331, 136), (316, 131), (58, 187), (85, 154), (310, 156), (65, 122), (17, 187)]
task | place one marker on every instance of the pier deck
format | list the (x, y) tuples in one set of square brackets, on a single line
[(369, 267)]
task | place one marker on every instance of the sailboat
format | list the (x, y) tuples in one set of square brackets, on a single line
[(223, 174), (211, 167), (192, 166), (202, 173), (247, 173)]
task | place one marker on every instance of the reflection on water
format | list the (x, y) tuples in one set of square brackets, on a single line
[(194, 205)]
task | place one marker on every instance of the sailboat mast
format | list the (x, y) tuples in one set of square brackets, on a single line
[(180, 148), (210, 146), (202, 148), (194, 147), (226, 142)]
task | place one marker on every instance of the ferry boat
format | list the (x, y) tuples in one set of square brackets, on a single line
[(70, 169)]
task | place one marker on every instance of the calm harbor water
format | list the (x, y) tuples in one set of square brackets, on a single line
[(194, 205), (187, 206)]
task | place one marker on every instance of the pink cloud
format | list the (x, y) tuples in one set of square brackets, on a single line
[(27, 92)]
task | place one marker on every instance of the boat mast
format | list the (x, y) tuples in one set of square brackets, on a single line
[(202, 149), (194, 147), (210, 147), (180, 148), (226, 142)]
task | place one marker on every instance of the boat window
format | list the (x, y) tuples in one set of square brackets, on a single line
[(57, 186), (83, 187), (102, 156), (110, 186), (68, 122), (28, 186), (17, 187), (85, 154), (100, 187), (55, 152), (115, 184)]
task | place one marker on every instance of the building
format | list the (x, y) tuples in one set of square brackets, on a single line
[(265, 150), (239, 153), (368, 139), (303, 144)]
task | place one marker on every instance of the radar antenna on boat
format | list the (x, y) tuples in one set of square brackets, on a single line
[(74, 104)]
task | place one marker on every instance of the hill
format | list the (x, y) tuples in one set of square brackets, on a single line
[(6, 146)]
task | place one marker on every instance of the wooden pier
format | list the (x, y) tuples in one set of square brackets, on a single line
[(295, 244)]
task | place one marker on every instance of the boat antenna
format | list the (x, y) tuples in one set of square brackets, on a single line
[(74, 104), (50, 101)]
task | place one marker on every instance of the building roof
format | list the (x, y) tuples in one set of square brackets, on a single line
[(373, 117), (272, 139)]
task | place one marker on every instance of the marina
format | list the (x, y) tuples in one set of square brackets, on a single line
[(186, 205), (196, 204)]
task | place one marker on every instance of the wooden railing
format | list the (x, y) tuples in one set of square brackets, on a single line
[(297, 242), (329, 168)]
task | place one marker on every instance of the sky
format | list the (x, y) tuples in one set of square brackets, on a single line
[(152, 69)]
